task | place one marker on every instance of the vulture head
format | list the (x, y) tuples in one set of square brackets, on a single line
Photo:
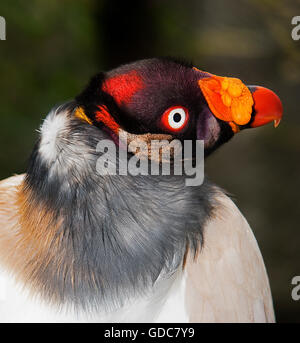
[(164, 97)]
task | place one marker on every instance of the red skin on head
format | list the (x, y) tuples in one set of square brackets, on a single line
[(123, 87)]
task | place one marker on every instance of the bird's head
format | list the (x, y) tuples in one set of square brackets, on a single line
[(164, 98)]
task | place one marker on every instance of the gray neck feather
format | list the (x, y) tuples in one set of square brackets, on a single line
[(118, 233)]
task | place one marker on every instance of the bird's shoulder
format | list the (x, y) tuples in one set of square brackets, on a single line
[(14, 180), (228, 281), (9, 189)]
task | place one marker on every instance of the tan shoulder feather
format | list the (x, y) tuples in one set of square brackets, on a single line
[(9, 189), (228, 281), (9, 216)]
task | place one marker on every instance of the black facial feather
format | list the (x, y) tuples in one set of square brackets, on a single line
[(117, 233)]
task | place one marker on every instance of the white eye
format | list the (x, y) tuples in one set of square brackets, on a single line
[(177, 118)]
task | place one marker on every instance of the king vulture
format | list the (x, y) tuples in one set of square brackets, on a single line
[(77, 245)]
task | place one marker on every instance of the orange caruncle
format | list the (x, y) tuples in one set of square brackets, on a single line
[(228, 98)]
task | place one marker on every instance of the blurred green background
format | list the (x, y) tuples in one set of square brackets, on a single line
[(53, 47)]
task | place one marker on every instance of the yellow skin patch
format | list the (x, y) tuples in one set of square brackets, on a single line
[(79, 113), (228, 98)]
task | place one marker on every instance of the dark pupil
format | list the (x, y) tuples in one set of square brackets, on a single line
[(177, 117)]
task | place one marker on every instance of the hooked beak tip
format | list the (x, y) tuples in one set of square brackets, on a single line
[(277, 122)]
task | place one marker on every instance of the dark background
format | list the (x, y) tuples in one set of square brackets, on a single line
[(53, 48)]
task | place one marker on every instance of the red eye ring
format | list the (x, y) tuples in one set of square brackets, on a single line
[(175, 118)]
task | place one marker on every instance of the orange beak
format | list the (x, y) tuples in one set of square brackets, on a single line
[(267, 106), (230, 100)]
